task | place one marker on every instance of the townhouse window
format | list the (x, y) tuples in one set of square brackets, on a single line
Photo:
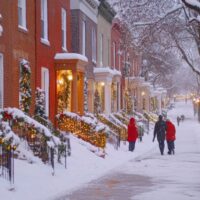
[(64, 28), (22, 14), (101, 49), (44, 22), (119, 59), (45, 87), (83, 37), (1, 81), (109, 52), (94, 45), (114, 55)]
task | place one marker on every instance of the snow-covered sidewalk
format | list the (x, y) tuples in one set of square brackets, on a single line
[(176, 174), (151, 175)]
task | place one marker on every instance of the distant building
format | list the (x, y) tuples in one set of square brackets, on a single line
[(84, 40)]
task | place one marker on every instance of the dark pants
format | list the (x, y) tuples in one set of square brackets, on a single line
[(171, 146), (161, 146), (131, 146)]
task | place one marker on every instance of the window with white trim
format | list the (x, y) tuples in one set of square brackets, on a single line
[(22, 13), (44, 20), (83, 37), (45, 87), (64, 28), (94, 45), (101, 49), (119, 53), (1, 81), (114, 55)]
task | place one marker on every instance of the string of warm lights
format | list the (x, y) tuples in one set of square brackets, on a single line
[(82, 129)]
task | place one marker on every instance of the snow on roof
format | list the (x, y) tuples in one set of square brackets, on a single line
[(70, 56), (114, 72)]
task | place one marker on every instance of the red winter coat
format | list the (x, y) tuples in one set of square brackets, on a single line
[(132, 131), (171, 131)]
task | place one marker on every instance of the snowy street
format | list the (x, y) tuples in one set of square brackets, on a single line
[(152, 176)]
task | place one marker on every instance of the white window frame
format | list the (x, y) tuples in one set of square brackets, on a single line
[(22, 22), (119, 59), (83, 37), (109, 52), (114, 55), (1, 81), (44, 19), (94, 45), (64, 28), (45, 87), (101, 49)]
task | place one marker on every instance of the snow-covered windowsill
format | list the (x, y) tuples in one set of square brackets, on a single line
[(45, 41), (22, 28)]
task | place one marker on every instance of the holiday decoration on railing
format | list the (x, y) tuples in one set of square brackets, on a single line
[(151, 116), (117, 129), (123, 134), (83, 127), (38, 136), (25, 86), (123, 119), (8, 144)]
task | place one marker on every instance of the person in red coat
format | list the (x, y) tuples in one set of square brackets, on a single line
[(170, 136), (132, 134)]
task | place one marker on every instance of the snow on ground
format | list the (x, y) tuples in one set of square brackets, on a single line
[(36, 182), (179, 174), (173, 176)]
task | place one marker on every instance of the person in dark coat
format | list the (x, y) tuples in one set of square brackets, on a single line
[(170, 136), (178, 120), (132, 134), (160, 131)]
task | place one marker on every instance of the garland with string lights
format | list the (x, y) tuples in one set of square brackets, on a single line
[(25, 86), (64, 94), (97, 103), (81, 127), (129, 103), (85, 95)]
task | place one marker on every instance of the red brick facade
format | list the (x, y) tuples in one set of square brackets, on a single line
[(16, 44), (45, 53)]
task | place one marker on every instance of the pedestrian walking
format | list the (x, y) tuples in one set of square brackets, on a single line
[(160, 131), (178, 120), (132, 134), (182, 117), (170, 136)]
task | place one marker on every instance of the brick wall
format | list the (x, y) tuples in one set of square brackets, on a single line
[(16, 44)]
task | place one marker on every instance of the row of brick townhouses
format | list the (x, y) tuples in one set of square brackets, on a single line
[(67, 41)]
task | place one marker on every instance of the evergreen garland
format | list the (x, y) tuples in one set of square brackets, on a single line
[(97, 103), (25, 86), (85, 94), (129, 103), (40, 102), (64, 94)]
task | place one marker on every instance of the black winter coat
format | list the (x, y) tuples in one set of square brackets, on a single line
[(160, 130)]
